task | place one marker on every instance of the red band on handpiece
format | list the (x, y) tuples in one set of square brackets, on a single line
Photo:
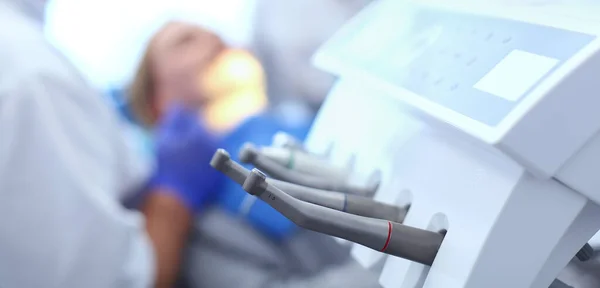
[(387, 241)]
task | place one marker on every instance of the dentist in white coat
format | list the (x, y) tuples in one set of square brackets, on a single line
[(65, 166)]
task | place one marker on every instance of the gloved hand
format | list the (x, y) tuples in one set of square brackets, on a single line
[(184, 149)]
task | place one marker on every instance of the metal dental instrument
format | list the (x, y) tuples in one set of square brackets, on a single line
[(303, 162), (249, 154), (284, 140), (388, 237), (352, 204)]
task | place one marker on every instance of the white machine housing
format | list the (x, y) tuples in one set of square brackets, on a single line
[(431, 38), (483, 118)]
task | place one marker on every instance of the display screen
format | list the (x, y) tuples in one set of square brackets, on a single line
[(514, 75), (480, 67)]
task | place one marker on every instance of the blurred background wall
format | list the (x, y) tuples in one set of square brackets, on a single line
[(106, 38)]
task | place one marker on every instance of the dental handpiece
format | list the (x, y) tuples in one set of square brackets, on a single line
[(403, 241), (249, 154), (304, 162), (353, 204), (284, 140)]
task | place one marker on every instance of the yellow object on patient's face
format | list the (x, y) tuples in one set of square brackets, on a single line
[(234, 86)]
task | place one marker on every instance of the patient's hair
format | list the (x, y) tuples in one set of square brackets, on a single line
[(141, 92)]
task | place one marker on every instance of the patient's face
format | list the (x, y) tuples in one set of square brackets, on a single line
[(179, 53)]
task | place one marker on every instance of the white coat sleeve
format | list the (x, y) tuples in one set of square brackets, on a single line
[(60, 222)]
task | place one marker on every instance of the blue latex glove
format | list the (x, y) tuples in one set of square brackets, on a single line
[(184, 149)]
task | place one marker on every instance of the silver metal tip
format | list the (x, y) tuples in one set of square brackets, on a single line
[(220, 159), (248, 152)]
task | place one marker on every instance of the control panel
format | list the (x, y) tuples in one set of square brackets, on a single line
[(500, 78)]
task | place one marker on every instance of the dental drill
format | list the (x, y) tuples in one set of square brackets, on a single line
[(284, 140), (250, 154), (303, 162), (353, 204), (403, 241)]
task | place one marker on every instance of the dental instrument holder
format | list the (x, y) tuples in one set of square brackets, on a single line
[(353, 204), (410, 243), (506, 149), (249, 154)]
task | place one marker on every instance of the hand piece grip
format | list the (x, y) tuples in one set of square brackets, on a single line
[(284, 140), (366, 207), (392, 238), (353, 204), (585, 253), (304, 163), (249, 154)]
